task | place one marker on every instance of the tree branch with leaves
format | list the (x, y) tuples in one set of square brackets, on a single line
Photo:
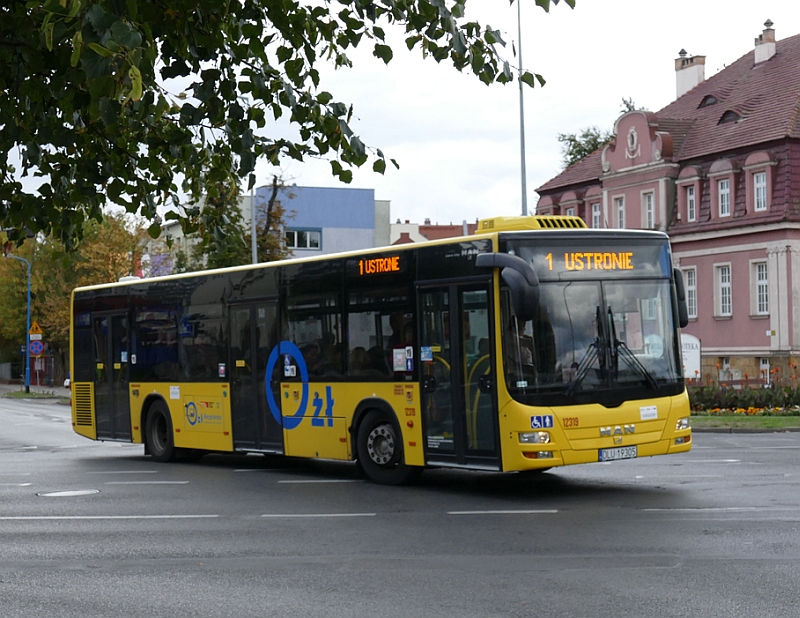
[(89, 109)]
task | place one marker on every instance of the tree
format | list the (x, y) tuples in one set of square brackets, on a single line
[(577, 146), (270, 244), (220, 229), (89, 111), (110, 249)]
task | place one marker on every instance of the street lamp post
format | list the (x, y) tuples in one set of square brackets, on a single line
[(523, 173), (27, 326)]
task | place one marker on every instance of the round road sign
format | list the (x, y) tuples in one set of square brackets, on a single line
[(36, 348)]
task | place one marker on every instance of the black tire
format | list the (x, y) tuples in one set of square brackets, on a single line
[(379, 448), (158, 433)]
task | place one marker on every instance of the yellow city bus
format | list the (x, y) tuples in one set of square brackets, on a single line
[(534, 343)]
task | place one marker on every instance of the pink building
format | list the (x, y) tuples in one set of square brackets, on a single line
[(718, 169)]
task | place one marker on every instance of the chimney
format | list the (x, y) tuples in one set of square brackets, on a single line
[(765, 43), (689, 72)]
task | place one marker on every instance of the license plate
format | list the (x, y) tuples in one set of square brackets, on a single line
[(614, 454)]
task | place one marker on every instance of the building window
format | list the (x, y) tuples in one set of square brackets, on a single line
[(723, 289), (570, 211), (619, 207), (760, 191), (761, 288), (649, 308), (691, 204), (303, 239), (724, 197), (763, 365), (649, 210), (597, 221), (690, 279)]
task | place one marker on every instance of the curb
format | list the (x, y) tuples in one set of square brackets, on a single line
[(744, 430)]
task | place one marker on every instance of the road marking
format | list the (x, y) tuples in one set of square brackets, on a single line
[(710, 461), (146, 483), (125, 472), (325, 481), (725, 509), (110, 517), (687, 477), (531, 512), (302, 515), (15, 484)]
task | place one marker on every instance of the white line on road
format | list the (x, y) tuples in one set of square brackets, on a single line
[(146, 483), (325, 481), (15, 484), (531, 512), (726, 509), (685, 477), (125, 472), (710, 461), (113, 517), (302, 515)]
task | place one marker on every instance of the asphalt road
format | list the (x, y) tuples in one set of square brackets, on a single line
[(98, 530)]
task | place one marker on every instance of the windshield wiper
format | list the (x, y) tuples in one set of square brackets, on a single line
[(589, 357), (624, 352)]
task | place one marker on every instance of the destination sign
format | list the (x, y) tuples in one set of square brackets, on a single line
[(374, 266), (594, 260), (591, 259)]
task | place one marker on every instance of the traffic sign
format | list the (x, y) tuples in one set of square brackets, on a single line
[(35, 329), (36, 348)]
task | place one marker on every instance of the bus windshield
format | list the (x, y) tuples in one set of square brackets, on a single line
[(593, 337)]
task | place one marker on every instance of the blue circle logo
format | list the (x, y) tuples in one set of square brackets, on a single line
[(289, 350), (191, 413)]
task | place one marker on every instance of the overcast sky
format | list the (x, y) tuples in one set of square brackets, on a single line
[(457, 140)]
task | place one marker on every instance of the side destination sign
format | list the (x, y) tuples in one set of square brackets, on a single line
[(374, 266)]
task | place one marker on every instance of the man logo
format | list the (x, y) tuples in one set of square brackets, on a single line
[(618, 430)]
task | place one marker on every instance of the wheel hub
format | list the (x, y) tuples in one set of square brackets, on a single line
[(380, 444)]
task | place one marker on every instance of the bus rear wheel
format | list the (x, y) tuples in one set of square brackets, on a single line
[(158, 433), (379, 448)]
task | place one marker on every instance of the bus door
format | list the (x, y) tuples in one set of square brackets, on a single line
[(111, 397), (457, 375), (253, 335)]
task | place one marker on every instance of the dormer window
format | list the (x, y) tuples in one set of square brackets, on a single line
[(729, 116), (709, 99)]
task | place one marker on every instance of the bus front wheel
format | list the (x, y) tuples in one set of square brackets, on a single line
[(379, 448), (158, 433)]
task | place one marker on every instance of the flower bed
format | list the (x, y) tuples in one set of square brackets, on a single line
[(722, 399)]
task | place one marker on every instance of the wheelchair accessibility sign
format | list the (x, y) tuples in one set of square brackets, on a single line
[(541, 422)]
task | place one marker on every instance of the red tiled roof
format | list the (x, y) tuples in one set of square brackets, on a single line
[(766, 96)]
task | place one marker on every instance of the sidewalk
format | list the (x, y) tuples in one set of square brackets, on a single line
[(55, 391)]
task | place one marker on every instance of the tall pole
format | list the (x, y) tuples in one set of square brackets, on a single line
[(523, 174), (27, 327), (253, 227)]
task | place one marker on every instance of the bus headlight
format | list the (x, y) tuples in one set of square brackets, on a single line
[(683, 423), (534, 437)]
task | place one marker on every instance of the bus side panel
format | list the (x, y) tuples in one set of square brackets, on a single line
[(83, 419), (326, 418), (200, 413)]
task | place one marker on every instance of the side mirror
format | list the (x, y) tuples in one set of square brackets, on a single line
[(520, 278), (680, 290)]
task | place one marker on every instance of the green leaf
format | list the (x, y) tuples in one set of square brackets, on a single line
[(101, 51), (384, 52), (48, 36), (77, 41), (379, 166)]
